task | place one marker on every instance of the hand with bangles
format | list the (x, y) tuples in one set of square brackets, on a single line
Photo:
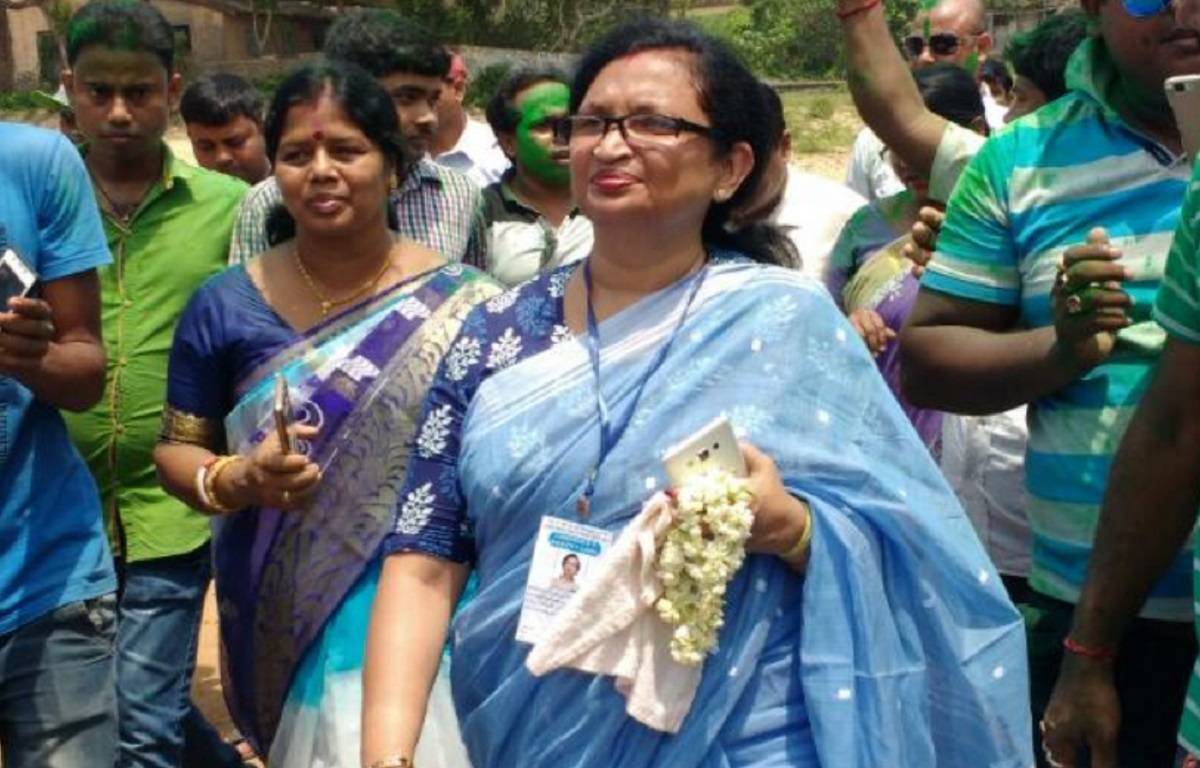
[(1089, 306), (270, 477)]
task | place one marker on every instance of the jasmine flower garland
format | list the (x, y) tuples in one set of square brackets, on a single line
[(700, 553)]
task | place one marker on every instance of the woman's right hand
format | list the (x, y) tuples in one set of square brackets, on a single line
[(271, 478), (873, 330)]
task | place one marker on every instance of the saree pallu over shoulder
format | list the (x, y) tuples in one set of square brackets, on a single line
[(361, 378), (898, 647)]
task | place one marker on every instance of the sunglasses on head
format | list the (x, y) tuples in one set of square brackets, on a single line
[(940, 44), (1144, 9)]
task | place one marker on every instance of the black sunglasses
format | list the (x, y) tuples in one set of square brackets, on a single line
[(940, 44)]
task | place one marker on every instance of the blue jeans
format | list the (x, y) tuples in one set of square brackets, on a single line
[(57, 704), (159, 627)]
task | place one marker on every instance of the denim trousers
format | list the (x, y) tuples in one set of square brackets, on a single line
[(157, 632), (57, 701)]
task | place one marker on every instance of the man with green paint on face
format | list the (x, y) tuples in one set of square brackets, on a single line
[(533, 225), (950, 31)]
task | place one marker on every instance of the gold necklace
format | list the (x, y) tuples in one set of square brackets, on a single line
[(327, 303)]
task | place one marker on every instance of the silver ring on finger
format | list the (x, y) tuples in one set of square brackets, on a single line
[(1074, 304), (287, 497)]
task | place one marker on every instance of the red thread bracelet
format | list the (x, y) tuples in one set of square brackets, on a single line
[(1087, 651), (845, 13)]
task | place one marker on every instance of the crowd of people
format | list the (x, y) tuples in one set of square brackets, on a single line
[(378, 370)]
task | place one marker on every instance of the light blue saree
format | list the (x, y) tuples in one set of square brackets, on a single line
[(897, 647)]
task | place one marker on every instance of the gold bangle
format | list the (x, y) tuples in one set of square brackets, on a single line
[(805, 539), (393, 762), (210, 484)]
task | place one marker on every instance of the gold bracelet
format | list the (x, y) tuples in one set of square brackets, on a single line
[(394, 761), (805, 538), (210, 484)]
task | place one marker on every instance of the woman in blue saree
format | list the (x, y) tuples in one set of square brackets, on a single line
[(888, 641), (355, 320)]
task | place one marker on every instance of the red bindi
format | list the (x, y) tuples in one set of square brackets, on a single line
[(318, 135)]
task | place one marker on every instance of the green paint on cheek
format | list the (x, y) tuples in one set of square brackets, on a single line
[(972, 62), (539, 105)]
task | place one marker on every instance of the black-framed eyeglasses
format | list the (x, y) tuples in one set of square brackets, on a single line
[(940, 44), (639, 128)]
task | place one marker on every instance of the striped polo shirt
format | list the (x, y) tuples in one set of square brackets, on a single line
[(1177, 309), (1035, 189)]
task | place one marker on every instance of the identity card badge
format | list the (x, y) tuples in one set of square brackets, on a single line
[(564, 557)]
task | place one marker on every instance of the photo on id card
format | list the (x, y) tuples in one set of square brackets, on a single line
[(564, 556)]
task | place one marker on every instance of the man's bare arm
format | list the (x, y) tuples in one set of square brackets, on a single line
[(884, 91)]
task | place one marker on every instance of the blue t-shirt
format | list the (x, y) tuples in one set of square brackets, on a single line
[(53, 550)]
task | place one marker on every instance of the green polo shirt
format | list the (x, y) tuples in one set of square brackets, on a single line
[(177, 239)]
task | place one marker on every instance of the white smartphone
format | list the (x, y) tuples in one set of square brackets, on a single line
[(1183, 94), (16, 278), (713, 445)]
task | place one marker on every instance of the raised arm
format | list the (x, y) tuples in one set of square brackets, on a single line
[(404, 647), (883, 89)]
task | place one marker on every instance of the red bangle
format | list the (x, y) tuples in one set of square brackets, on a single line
[(845, 13), (1087, 651)]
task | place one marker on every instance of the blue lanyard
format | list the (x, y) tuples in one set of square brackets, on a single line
[(610, 432)]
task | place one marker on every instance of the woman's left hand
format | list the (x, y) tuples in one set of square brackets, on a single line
[(780, 519)]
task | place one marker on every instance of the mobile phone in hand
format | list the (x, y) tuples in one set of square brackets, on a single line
[(713, 446), (1183, 94), (283, 414), (16, 278)]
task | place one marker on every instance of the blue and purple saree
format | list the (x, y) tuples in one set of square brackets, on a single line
[(295, 588), (897, 647)]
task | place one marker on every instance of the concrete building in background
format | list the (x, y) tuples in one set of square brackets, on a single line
[(207, 33)]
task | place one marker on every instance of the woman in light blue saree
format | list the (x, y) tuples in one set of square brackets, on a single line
[(355, 320), (887, 641)]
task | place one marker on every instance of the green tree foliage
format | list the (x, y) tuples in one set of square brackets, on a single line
[(794, 38), (549, 25)]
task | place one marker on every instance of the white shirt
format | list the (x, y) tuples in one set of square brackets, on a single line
[(812, 213), (477, 154), (956, 148), (983, 459), (868, 173), (993, 111)]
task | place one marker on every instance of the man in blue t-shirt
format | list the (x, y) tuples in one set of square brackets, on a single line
[(57, 601)]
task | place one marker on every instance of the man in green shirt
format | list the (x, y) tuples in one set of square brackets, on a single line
[(168, 226)]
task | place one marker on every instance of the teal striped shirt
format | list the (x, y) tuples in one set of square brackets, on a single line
[(1177, 309), (1034, 190)]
